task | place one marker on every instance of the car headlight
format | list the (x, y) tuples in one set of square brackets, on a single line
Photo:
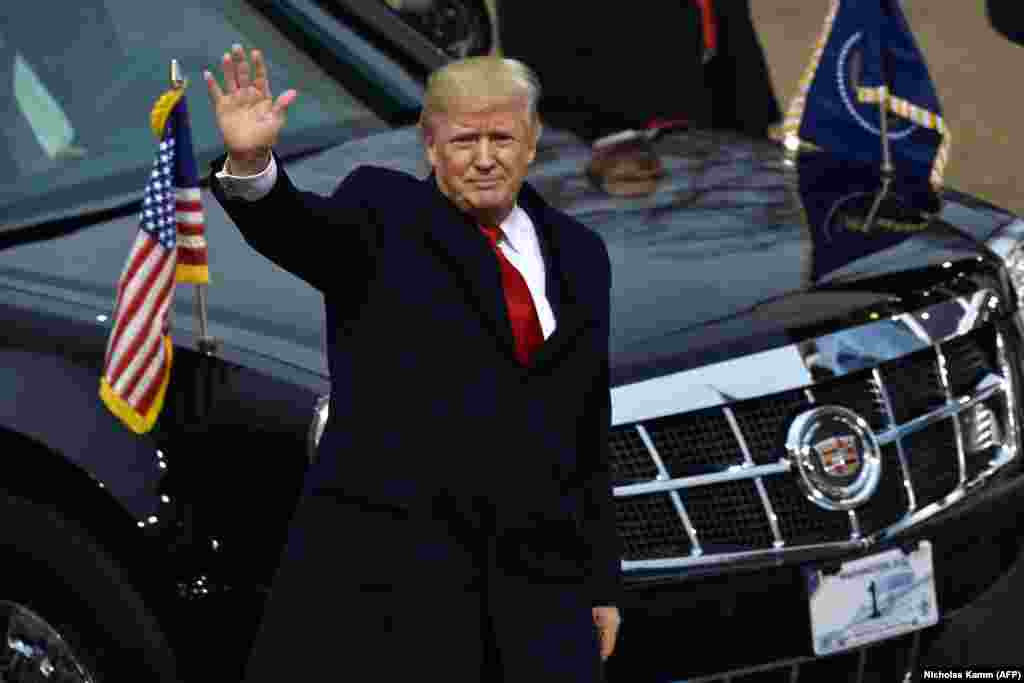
[(1008, 243)]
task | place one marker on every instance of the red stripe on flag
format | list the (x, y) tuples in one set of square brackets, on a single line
[(140, 371), (189, 205), (133, 309), (192, 257), (154, 386), (190, 228), (135, 264)]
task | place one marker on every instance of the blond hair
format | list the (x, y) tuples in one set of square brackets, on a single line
[(485, 80)]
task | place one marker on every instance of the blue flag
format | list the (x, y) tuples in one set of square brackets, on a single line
[(851, 215), (867, 56)]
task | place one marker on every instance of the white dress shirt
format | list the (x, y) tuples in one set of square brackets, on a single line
[(518, 240)]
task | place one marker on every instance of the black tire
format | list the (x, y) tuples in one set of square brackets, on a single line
[(53, 568)]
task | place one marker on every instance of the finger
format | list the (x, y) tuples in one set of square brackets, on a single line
[(228, 68), (213, 88), (260, 78), (241, 65), (284, 100), (607, 643)]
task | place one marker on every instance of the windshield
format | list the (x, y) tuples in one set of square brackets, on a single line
[(79, 78)]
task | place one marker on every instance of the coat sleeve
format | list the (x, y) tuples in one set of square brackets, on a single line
[(599, 519), (319, 239)]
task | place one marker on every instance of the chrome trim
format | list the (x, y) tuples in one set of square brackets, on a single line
[(34, 650), (989, 386), (854, 525), (773, 519), (316, 427), (1007, 238), (734, 473), (957, 426), (726, 558), (1011, 397), (790, 366), (890, 417), (992, 386), (863, 543), (1006, 455), (663, 475), (924, 513), (822, 488)]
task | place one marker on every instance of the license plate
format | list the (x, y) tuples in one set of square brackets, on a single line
[(872, 598)]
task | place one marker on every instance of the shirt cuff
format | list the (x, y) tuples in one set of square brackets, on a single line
[(252, 187)]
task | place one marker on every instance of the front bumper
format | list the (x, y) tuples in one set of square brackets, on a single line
[(685, 627)]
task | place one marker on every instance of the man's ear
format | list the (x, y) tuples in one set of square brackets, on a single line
[(538, 130), (427, 138)]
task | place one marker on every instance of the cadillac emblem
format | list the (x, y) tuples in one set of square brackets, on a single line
[(839, 455), (836, 456)]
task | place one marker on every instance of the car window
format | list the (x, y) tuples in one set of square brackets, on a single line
[(78, 79)]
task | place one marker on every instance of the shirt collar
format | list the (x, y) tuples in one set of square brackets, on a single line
[(514, 229)]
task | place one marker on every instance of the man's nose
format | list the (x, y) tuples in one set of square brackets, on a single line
[(484, 154)]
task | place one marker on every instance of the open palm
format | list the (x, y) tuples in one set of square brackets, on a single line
[(248, 116)]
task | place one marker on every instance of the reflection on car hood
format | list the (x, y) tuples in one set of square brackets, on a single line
[(735, 252)]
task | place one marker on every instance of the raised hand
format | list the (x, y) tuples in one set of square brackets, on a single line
[(249, 117)]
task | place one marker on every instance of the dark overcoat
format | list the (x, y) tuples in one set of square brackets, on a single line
[(458, 523)]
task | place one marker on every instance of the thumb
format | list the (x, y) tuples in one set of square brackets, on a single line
[(606, 642), (283, 101)]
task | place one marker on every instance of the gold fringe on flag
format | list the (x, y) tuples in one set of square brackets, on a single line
[(134, 420), (922, 117), (791, 126), (162, 109)]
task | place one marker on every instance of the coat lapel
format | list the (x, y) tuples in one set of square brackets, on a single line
[(464, 249), (565, 275), (469, 257)]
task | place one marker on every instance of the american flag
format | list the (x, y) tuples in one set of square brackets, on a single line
[(170, 247)]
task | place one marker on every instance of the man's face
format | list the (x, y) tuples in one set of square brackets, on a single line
[(481, 155)]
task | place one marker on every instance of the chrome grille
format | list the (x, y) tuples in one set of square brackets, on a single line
[(689, 443), (729, 516), (631, 460), (650, 528), (890, 501), (715, 481), (933, 477)]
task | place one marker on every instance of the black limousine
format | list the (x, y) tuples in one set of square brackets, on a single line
[(816, 374)]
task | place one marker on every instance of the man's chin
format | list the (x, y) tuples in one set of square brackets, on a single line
[(495, 201)]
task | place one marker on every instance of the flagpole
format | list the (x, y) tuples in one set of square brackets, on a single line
[(883, 110), (205, 342)]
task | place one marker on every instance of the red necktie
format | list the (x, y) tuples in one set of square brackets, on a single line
[(521, 311)]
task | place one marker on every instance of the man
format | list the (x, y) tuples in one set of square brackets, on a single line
[(458, 523)]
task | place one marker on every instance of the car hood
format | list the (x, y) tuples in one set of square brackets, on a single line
[(737, 250)]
